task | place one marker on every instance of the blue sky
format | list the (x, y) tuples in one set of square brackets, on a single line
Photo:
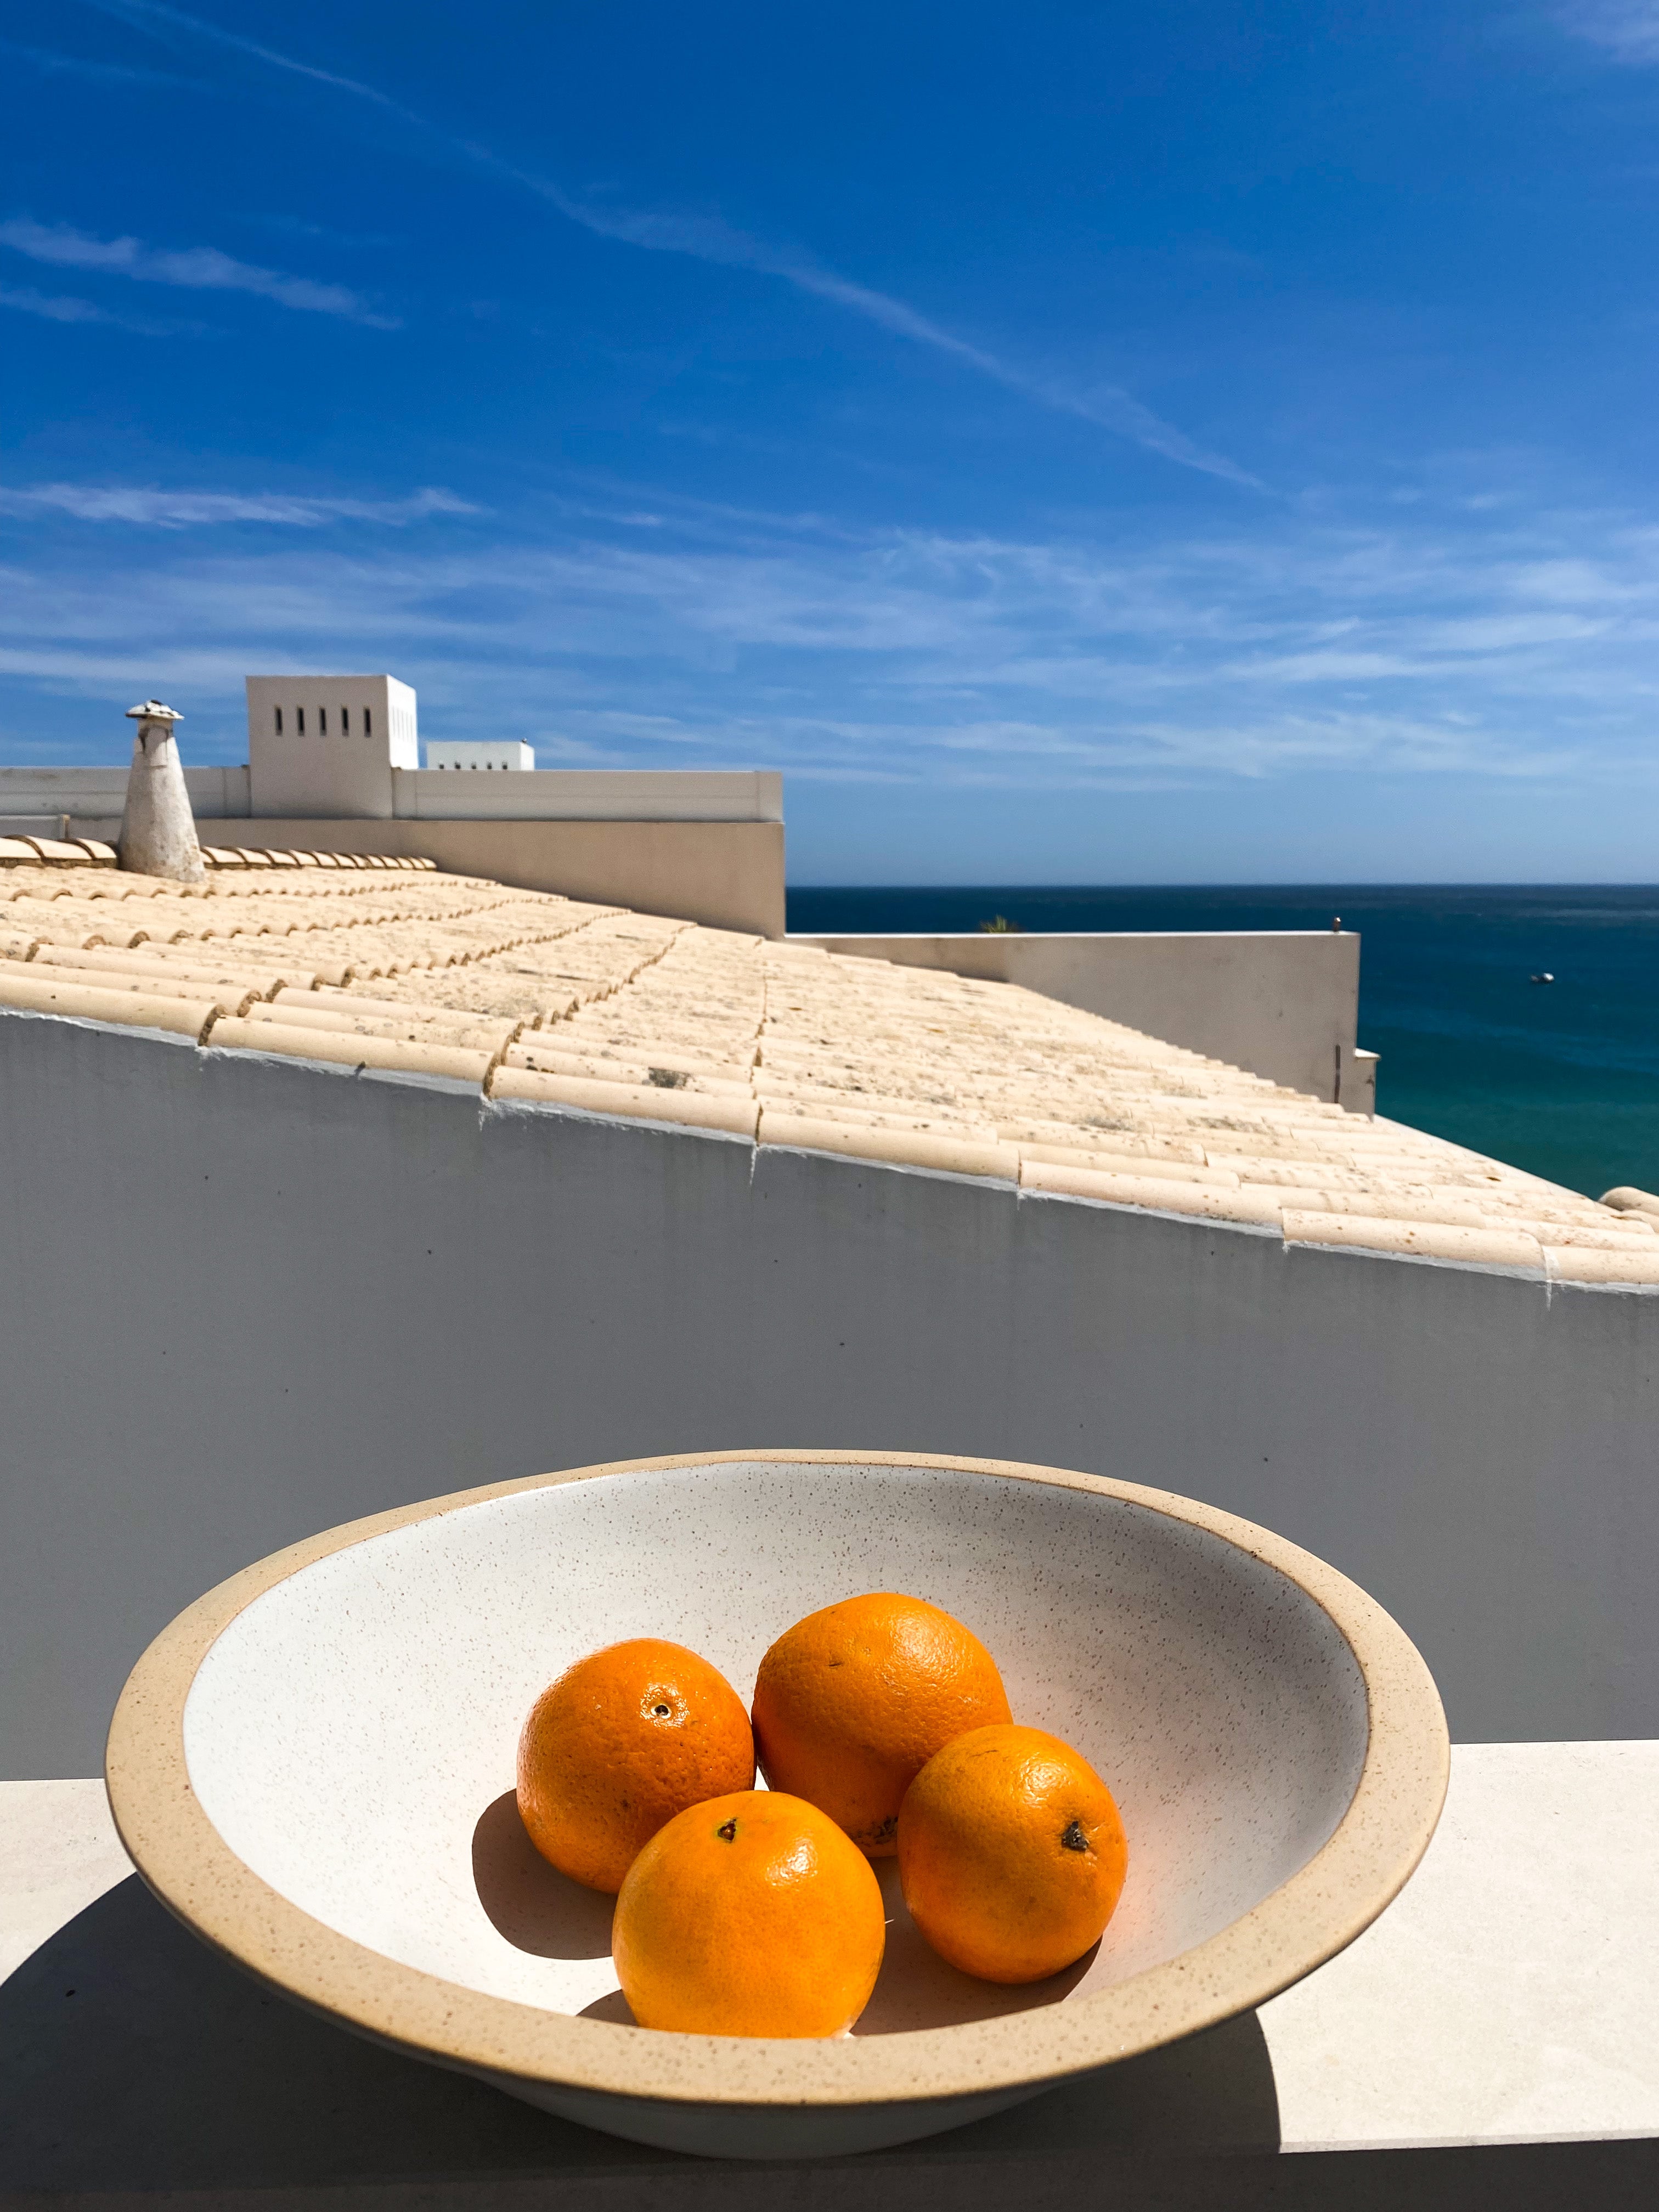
[(1213, 442)]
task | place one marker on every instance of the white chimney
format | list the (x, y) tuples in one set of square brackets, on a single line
[(324, 746), (158, 830)]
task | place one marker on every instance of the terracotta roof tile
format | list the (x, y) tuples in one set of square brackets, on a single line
[(560, 1002)]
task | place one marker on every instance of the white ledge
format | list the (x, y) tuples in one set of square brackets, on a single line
[(423, 794), (1507, 1998)]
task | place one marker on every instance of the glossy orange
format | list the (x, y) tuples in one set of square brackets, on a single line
[(851, 1704), (751, 1915), (1011, 1855), (618, 1745)]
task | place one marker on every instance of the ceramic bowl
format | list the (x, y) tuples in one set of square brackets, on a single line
[(313, 1768)]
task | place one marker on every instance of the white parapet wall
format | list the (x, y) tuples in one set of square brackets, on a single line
[(55, 795), (576, 794), (419, 794), (1283, 1003), (704, 845), (251, 1300), (469, 754)]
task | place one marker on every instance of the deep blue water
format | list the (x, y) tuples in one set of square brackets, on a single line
[(1560, 1078)]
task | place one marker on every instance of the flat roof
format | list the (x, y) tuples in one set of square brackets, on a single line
[(549, 1001)]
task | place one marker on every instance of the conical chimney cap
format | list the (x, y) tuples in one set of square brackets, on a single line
[(152, 710)]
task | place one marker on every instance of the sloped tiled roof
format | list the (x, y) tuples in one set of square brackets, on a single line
[(538, 997)]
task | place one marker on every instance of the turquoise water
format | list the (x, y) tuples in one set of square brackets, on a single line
[(1561, 1079)]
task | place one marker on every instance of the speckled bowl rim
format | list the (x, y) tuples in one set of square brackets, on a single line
[(1307, 1920)]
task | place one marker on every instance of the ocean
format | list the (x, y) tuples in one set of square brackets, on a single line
[(1560, 1078)]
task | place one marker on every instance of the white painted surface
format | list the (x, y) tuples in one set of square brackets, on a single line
[(321, 746), (257, 1301), (568, 794), (1507, 1995), (100, 793), (728, 874), (472, 755), (415, 793), (1359, 1081), (59, 1854), (1511, 1993), (158, 830), (1282, 1003)]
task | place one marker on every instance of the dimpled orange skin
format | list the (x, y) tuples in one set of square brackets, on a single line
[(851, 1703), (752, 1915), (1011, 1855), (618, 1745)]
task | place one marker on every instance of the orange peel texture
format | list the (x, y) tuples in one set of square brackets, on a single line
[(751, 1915), (851, 1703), (1012, 1854), (618, 1745)]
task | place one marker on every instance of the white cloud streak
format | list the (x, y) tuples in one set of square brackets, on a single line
[(1515, 653), (195, 268), (152, 14), (112, 73), (1627, 29), (177, 510), (706, 238), (59, 307), (703, 238)]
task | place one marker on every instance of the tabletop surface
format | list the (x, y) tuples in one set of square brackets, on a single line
[(1494, 2037)]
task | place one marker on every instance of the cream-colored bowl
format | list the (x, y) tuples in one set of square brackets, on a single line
[(312, 1767)]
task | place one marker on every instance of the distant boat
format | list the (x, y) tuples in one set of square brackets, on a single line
[(1545, 978)]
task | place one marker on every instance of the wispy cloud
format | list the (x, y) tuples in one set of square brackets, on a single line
[(727, 638), (1627, 29), (152, 14), (93, 72), (178, 510), (707, 238), (294, 226), (58, 307), (1106, 405), (193, 267)]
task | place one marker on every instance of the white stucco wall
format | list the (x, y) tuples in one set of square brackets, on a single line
[(1282, 1003), (574, 794), (100, 793), (244, 1300), (295, 767), (324, 745), (704, 847), (728, 874)]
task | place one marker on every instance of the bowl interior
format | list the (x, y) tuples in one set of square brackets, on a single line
[(352, 1733)]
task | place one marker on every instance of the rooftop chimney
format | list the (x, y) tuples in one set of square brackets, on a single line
[(158, 830)]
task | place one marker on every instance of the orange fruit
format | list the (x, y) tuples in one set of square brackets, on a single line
[(1011, 1855), (851, 1703), (624, 1740), (752, 1915)]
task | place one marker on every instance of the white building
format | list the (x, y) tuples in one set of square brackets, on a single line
[(445, 753), (325, 746)]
